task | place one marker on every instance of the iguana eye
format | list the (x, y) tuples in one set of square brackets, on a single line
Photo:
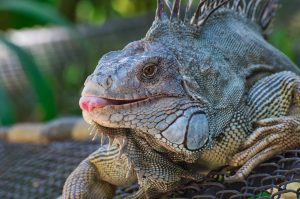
[(149, 70)]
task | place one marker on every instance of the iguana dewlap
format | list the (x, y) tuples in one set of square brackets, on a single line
[(199, 92)]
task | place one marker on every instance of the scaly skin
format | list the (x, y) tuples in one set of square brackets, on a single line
[(276, 127), (183, 100)]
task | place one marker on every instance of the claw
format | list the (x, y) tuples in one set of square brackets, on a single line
[(235, 178)]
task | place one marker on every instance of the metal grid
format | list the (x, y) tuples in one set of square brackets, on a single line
[(277, 178), (268, 180), (39, 171)]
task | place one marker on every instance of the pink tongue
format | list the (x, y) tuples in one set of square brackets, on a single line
[(90, 103)]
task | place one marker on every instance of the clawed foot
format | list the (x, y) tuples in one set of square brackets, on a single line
[(272, 136)]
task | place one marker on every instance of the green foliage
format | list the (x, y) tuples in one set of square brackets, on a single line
[(261, 195), (72, 75), (39, 83), (45, 94), (27, 13), (39, 11), (98, 11), (7, 112), (280, 39), (35, 11)]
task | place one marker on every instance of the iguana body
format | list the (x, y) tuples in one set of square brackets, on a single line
[(185, 99)]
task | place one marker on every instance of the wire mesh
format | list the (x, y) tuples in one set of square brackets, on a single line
[(39, 171), (278, 178)]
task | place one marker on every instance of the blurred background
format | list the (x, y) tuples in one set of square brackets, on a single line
[(48, 47)]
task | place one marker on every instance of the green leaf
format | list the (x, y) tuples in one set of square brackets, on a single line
[(262, 194), (280, 39), (41, 86), (7, 112), (36, 10)]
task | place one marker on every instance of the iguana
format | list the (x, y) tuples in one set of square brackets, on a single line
[(200, 91)]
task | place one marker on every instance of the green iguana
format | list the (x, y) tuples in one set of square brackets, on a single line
[(200, 91)]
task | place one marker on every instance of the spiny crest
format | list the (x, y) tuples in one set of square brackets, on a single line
[(258, 11)]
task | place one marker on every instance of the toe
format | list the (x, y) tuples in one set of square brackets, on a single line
[(271, 121), (260, 133), (235, 178), (241, 158), (250, 164)]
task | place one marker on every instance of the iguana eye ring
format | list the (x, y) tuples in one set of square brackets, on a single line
[(149, 70)]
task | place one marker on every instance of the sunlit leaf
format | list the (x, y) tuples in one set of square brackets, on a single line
[(36, 10), (263, 194), (280, 39)]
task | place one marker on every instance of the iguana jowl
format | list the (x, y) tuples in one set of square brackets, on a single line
[(187, 98)]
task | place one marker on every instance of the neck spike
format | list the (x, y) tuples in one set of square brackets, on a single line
[(198, 12), (169, 5), (260, 12), (175, 10), (160, 13), (188, 11)]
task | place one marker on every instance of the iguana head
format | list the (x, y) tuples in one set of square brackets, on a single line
[(141, 88), (180, 85)]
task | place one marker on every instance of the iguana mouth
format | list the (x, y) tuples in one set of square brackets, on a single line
[(89, 103)]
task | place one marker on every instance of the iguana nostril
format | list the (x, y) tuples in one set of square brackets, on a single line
[(105, 82), (109, 81)]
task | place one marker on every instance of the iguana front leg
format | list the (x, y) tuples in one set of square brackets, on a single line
[(274, 134), (99, 175), (105, 169), (156, 173)]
